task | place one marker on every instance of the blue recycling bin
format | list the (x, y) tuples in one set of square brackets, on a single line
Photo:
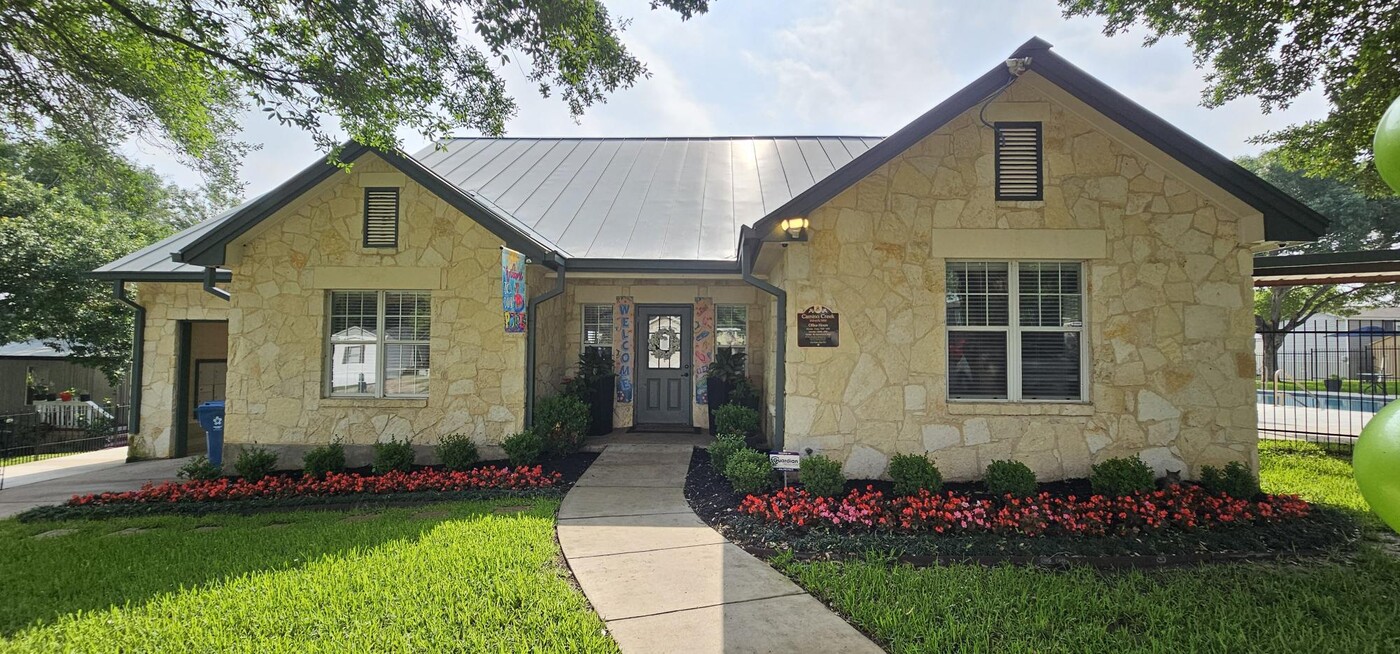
[(211, 418)]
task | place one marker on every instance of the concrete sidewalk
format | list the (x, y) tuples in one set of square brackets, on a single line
[(665, 582), (42, 487)]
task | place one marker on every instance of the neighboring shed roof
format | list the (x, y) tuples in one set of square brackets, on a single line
[(32, 350)]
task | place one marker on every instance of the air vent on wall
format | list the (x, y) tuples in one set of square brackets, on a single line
[(1019, 167), (381, 217)]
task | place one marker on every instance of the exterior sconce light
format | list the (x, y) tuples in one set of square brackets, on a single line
[(796, 228)]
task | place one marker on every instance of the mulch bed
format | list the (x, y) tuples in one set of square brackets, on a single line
[(1324, 531)]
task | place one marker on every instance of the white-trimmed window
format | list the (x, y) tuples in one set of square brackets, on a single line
[(732, 328), (598, 328), (1016, 331), (377, 343)]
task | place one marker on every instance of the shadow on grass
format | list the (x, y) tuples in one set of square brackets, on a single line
[(125, 562)]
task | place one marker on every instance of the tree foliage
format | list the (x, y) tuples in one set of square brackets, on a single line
[(1276, 50), (98, 72)]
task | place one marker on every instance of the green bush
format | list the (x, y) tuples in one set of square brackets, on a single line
[(523, 448), (393, 455), (749, 471), (457, 452), (254, 463), (1009, 478), (912, 473), (1235, 480), (725, 445), (1122, 476), (821, 475), (323, 459), (736, 419), (199, 468), (562, 422)]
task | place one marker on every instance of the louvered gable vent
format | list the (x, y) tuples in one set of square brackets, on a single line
[(381, 217), (1020, 172)]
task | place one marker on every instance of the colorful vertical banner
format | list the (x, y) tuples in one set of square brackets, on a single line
[(514, 295), (623, 331), (704, 349)]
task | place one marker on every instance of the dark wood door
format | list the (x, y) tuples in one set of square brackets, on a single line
[(664, 383)]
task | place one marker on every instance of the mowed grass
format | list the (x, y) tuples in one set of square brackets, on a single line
[(1337, 605), (456, 577), (30, 458)]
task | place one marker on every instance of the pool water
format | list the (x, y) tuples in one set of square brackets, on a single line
[(1339, 401)]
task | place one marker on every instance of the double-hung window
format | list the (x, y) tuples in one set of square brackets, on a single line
[(377, 343), (598, 328), (1016, 330), (732, 328)]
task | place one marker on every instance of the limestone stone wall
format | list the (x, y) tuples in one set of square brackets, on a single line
[(166, 304), (1168, 305), (282, 273)]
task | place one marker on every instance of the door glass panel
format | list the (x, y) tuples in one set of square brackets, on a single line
[(664, 342)]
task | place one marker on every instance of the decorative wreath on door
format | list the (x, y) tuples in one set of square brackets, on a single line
[(664, 336)]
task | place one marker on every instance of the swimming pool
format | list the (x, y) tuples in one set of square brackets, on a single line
[(1340, 401)]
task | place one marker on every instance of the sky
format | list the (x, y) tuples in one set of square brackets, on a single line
[(829, 67)]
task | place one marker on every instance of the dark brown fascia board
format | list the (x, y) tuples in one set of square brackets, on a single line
[(195, 277), (1328, 263), (1285, 218), (208, 249)]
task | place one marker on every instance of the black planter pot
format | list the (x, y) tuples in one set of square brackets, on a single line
[(1332, 385), (717, 391), (85, 397), (600, 406)]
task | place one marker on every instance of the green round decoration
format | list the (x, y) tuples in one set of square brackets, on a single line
[(1386, 147), (1375, 462)]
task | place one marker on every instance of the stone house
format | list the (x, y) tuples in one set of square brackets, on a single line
[(1037, 268)]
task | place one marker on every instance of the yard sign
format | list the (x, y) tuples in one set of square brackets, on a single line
[(513, 291)]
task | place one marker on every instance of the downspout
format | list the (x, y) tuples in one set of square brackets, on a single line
[(138, 356), (530, 336), (209, 286), (780, 365)]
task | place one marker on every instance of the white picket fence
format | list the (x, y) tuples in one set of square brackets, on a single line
[(73, 414)]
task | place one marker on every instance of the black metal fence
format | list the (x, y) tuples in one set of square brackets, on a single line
[(28, 437), (1325, 381)]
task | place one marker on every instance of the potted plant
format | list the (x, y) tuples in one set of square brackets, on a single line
[(84, 396), (725, 373), (1333, 384), (66, 395), (594, 385)]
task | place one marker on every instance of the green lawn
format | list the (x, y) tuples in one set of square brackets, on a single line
[(30, 458), (1343, 605), (449, 577)]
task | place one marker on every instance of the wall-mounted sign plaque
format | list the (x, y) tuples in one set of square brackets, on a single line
[(818, 326)]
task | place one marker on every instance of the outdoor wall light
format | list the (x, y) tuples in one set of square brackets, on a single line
[(795, 227)]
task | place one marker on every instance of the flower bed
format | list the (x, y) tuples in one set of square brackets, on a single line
[(333, 484), (1183, 508)]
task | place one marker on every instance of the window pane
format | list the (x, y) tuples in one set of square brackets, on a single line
[(663, 344), (1050, 294), (977, 365), (407, 316), (1050, 366), (597, 324), (978, 294), (731, 326), (406, 370), (354, 315), (353, 369)]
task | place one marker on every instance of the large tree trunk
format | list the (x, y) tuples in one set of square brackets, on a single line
[(1273, 342)]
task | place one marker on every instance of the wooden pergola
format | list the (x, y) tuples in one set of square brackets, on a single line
[(1361, 267)]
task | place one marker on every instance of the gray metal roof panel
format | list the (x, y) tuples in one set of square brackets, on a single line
[(154, 259)]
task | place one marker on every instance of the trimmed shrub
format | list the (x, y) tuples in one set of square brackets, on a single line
[(324, 459), (254, 463), (735, 419), (199, 469), (725, 445), (749, 471), (523, 448), (1235, 480), (1009, 478), (562, 422), (821, 475), (457, 452), (393, 455), (1122, 476), (912, 473)]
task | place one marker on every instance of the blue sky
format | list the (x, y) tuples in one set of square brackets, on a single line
[(858, 67)]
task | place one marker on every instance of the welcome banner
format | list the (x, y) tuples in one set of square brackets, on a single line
[(513, 292)]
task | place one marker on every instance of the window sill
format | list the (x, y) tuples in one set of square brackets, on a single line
[(1020, 204), (379, 251), (376, 402), (972, 408)]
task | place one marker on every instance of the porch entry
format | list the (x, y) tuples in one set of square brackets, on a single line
[(664, 383)]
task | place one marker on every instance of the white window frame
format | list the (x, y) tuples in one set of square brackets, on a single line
[(583, 327), (745, 346), (381, 343), (1013, 331)]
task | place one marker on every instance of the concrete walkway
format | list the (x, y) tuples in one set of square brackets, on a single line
[(56, 486), (665, 582)]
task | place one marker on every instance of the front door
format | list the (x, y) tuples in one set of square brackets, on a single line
[(663, 378)]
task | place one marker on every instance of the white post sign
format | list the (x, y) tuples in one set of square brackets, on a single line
[(784, 461)]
